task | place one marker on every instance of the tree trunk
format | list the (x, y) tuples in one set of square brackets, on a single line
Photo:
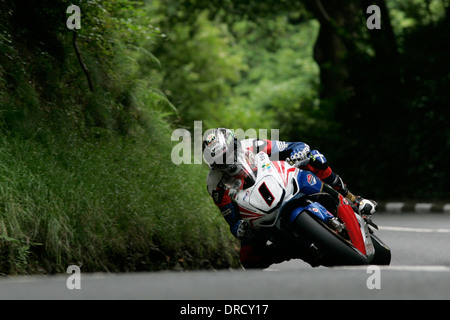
[(338, 20)]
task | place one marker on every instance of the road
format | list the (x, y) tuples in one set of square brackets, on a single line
[(420, 269)]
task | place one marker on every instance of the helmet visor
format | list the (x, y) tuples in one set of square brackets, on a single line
[(228, 160)]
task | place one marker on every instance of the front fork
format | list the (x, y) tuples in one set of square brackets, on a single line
[(365, 231)]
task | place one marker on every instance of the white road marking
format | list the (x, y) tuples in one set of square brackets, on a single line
[(407, 229), (432, 268), (424, 268)]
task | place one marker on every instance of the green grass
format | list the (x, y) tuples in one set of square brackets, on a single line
[(86, 177), (107, 204)]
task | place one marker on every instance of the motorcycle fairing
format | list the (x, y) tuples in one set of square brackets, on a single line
[(259, 203), (308, 182), (276, 185), (267, 195), (316, 209), (355, 232)]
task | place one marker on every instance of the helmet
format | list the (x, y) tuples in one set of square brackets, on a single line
[(222, 150)]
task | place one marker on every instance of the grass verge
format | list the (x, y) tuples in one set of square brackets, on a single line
[(108, 204)]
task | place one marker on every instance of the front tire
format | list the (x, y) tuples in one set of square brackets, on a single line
[(334, 250), (382, 252)]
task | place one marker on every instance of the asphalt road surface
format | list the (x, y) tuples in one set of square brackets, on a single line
[(420, 269)]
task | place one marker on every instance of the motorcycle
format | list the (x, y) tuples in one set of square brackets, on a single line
[(272, 201)]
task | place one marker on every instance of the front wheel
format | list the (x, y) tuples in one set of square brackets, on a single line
[(382, 252), (334, 250)]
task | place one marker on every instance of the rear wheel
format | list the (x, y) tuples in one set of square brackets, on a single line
[(334, 250)]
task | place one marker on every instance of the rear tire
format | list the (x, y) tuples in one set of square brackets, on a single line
[(335, 251)]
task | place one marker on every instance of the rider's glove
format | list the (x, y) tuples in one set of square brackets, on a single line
[(300, 155), (367, 207), (241, 228)]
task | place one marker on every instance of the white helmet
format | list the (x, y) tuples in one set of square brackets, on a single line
[(222, 151)]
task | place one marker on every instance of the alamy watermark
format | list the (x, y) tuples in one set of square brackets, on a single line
[(182, 152), (74, 21), (374, 20), (74, 280), (374, 280)]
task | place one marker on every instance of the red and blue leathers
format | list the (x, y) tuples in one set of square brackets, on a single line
[(252, 252)]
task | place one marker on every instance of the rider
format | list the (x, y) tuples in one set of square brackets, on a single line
[(221, 149)]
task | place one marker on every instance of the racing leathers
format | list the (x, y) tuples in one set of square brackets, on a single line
[(254, 251)]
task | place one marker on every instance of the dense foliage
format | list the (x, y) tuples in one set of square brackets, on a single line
[(373, 100), (85, 170)]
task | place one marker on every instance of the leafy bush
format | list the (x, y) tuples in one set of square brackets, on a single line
[(86, 175)]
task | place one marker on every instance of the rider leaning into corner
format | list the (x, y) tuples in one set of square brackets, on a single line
[(224, 152)]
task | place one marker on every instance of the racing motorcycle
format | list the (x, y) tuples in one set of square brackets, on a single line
[(286, 205)]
